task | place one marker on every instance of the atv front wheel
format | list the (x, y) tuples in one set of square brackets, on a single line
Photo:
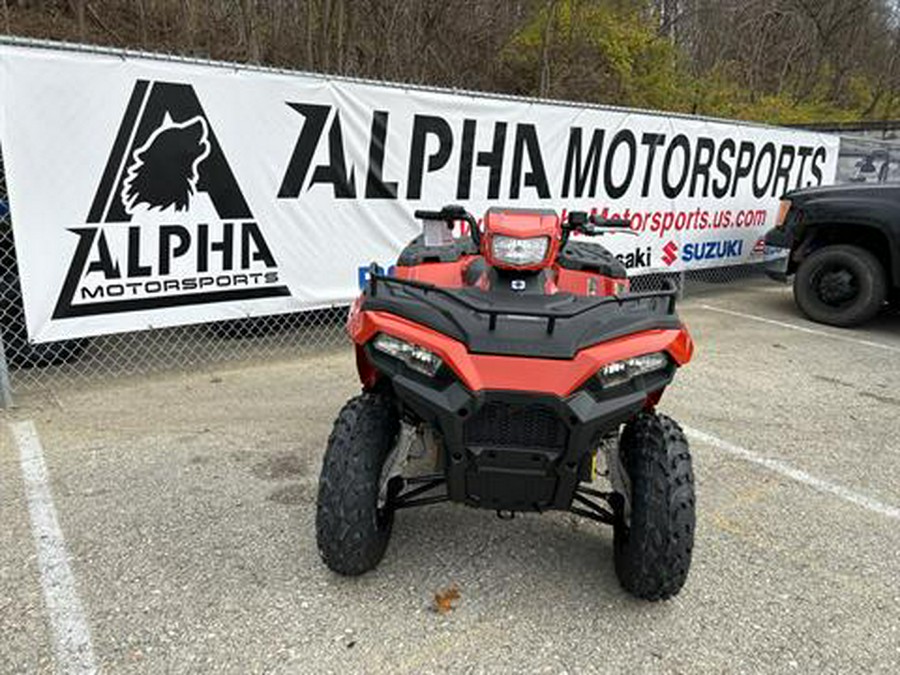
[(654, 532), (352, 532)]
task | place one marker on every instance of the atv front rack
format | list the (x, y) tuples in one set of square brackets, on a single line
[(376, 277)]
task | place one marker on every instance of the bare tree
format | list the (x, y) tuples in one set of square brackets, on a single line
[(843, 53)]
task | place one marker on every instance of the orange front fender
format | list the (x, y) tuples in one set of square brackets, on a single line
[(559, 377)]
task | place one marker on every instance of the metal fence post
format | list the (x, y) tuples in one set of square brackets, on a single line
[(6, 400)]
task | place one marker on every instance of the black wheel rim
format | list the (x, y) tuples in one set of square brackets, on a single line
[(836, 285)]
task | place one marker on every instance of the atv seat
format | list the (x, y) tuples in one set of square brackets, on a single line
[(587, 257), (417, 253)]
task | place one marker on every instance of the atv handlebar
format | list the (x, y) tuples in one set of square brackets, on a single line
[(450, 214), (578, 221), (591, 225)]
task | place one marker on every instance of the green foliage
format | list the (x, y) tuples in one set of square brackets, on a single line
[(718, 94), (611, 52), (599, 50)]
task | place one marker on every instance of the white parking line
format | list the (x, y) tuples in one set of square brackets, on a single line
[(72, 637), (802, 329), (796, 474)]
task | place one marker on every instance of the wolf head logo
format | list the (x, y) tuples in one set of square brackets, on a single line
[(164, 171)]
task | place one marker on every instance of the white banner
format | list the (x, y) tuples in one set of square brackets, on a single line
[(147, 193)]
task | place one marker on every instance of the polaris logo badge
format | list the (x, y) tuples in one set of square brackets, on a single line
[(169, 225)]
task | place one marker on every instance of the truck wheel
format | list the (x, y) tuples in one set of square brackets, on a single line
[(653, 542), (840, 285), (352, 533)]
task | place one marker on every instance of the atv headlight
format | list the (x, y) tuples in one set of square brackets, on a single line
[(519, 252), (620, 372), (418, 358)]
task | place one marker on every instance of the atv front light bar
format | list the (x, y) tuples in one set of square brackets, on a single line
[(620, 372), (418, 358)]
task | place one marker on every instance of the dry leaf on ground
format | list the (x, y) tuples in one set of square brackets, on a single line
[(444, 599)]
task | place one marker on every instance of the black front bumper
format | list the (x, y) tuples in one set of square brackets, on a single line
[(779, 243), (517, 451)]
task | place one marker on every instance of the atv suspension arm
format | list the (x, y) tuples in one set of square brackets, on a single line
[(410, 498), (593, 510)]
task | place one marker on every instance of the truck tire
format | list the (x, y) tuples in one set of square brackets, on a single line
[(653, 545), (352, 533), (840, 285)]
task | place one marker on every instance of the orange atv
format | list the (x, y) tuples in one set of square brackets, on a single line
[(504, 370)]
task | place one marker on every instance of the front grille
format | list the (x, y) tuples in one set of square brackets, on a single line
[(522, 426)]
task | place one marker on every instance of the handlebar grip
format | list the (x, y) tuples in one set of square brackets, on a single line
[(429, 215), (611, 222), (456, 212), (577, 219)]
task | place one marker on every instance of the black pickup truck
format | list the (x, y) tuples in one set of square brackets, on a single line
[(842, 244)]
